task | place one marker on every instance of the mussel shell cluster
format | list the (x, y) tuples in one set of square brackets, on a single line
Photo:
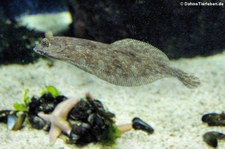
[(88, 118), (93, 119), (213, 119), (46, 103)]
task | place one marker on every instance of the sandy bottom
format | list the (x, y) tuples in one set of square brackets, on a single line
[(173, 110)]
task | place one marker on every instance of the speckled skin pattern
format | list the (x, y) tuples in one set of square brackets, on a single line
[(126, 62)]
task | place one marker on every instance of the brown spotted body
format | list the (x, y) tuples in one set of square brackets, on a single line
[(126, 62)]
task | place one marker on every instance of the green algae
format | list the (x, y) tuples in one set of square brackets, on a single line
[(51, 89), (110, 135)]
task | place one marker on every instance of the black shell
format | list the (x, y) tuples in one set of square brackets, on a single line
[(14, 119), (211, 138), (214, 119)]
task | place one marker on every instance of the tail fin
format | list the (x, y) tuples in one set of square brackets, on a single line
[(188, 80)]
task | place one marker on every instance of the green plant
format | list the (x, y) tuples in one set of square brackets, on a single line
[(23, 107), (52, 90)]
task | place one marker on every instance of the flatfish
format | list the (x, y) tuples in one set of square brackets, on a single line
[(126, 62)]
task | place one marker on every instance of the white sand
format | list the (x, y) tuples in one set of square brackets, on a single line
[(54, 22), (173, 110)]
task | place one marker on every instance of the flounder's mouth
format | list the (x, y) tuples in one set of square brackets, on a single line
[(38, 49)]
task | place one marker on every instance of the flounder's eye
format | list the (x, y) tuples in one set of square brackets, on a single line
[(45, 42)]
